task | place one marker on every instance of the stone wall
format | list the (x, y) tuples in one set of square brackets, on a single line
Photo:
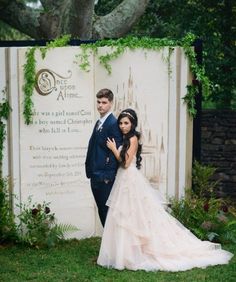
[(218, 147)]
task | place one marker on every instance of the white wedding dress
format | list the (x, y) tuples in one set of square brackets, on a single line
[(140, 234)]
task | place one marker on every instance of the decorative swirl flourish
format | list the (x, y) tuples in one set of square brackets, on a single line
[(46, 81)]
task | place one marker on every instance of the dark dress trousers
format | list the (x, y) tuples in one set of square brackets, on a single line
[(101, 165)]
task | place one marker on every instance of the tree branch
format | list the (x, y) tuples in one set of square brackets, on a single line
[(120, 20), (21, 17), (73, 17), (68, 17), (79, 17)]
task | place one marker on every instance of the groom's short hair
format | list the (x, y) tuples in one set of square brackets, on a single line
[(105, 93)]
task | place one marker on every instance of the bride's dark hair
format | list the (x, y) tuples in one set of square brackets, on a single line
[(132, 116)]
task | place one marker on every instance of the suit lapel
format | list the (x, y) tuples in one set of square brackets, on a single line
[(107, 121)]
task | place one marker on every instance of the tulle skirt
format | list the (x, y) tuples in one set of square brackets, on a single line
[(140, 234)]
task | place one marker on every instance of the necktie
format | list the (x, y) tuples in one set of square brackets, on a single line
[(98, 125)]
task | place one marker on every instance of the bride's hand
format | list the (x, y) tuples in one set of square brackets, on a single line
[(111, 144)]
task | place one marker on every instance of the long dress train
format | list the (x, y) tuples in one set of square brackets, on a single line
[(140, 234)]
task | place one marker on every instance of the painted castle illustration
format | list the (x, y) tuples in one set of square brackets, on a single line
[(154, 153)]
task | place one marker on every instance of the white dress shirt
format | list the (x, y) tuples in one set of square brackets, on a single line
[(102, 120)]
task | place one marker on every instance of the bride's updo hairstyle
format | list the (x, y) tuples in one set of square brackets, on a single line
[(132, 116)]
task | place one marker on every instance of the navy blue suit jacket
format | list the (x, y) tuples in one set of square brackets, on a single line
[(100, 163)]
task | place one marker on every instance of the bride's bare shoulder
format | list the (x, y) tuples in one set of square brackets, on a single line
[(134, 141)]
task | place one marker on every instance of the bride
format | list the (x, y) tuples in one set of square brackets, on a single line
[(139, 233)]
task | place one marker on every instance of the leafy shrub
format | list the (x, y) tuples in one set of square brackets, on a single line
[(209, 220), (38, 226), (7, 224), (203, 185), (204, 215)]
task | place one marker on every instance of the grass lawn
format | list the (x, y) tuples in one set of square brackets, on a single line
[(76, 261)]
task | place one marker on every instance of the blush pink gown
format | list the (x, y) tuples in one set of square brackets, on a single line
[(140, 234)]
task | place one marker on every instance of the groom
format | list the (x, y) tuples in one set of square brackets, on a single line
[(101, 165)]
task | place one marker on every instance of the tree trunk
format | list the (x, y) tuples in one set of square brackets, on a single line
[(20, 17), (120, 20), (75, 17)]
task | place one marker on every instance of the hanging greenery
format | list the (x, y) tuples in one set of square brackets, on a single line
[(30, 73), (4, 114), (29, 78), (119, 46)]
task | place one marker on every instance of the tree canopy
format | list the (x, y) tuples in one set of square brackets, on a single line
[(210, 20), (214, 22)]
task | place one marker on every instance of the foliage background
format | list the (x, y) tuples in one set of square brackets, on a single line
[(210, 20)]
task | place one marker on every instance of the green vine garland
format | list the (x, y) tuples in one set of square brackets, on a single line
[(30, 73), (119, 46), (5, 110), (29, 77)]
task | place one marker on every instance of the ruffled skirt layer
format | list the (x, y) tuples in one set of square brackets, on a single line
[(140, 234)]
